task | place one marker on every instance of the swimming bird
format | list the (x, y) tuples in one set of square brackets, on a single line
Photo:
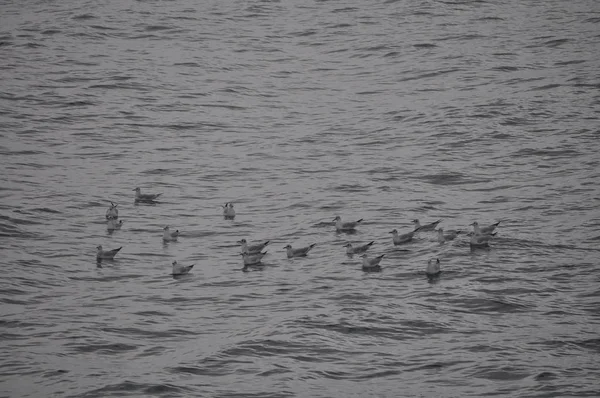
[(228, 210), (426, 227), (484, 230), (450, 235), (106, 254), (358, 249), (400, 239), (145, 197), (301, 252), (371, 264), (253, 259), (181, 269), (112, 213), (169, 236), (433, 266), (345, 226), (481, 240), (252, 249), (113, 224)]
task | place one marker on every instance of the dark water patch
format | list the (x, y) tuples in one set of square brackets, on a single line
[(152, 334), (424, 45), (545, 376), (127, 388), (106, 349), (446, 179), (429, 75), (506, 373), (188, 64), (105, 278), (505, 68), (554, 153), (84, 17), (545, 87), (555, 43), (51, 31), (570, 62), (593, 20)]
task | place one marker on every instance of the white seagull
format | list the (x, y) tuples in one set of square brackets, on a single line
[(450, 235), (345, 226), (400, 239), (433, 266), (112, 213), (426, 227), (145, 197), (252, 249), (169, 236), (253, 259), (181, 269), (484, 230), (371, 264), (358, 249), (106, 254), (479, 240), (301, 252), (228, 210)]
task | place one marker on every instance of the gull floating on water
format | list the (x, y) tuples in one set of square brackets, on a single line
[(371, 264), (253, 259), (106, 254), (400, 239), (433, 266), (169, 236), (252, 249), (484, 230), (345, 226), (113, 224), (358, 249), (301, 252), (145, 197), (426, 227), (112, 213), (450, 235), (228, 210), (480, 240), (181, 269)]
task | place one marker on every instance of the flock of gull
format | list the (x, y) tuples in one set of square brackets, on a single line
[(252, 254)]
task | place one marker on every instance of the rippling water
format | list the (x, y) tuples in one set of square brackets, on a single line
[(297, 112)]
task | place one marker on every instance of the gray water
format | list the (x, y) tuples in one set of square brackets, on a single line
[(297, 112)]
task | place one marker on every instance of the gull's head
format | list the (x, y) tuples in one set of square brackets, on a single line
[(288, 246), (137, 189), (166, 228), (365, 255), (348, 244), (99, 247), (394, 231), (230, 205), (475, 224), (415, 221), (433, 260), (112, 205), (440, 231), (337, 218), (174, 263), (242, 241)]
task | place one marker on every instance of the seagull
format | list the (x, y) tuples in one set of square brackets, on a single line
[(426, 227), (358, 249), (484, 230), (145, 197), (113, 224), (253, 259), (479, 240), (345, 226), (371, 264), (400, 239), (433, 266), (181, 269), (450, 235), (106, 254), (112, 213), (169, 236), (228, 210), (252, 249), (303, 251)]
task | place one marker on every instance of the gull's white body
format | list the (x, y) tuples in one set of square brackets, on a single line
[(113, 224), (450, 235), (112, 213), (253, 259), (371, 263), (345, 226), (228, 210), (480, 240), (358, 249), (400, 239), (145, 197), (252, 249), (487, 230), (426, 227), (169, 236), (106, 254), (301, 252), (179, 269), (433, 266)]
